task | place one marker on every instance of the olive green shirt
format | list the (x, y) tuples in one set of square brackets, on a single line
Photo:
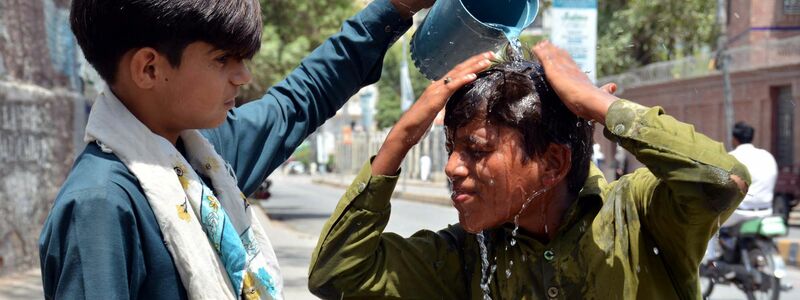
[(642, 236)]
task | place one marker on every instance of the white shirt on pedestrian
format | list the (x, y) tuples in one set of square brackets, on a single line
[(763, 173)]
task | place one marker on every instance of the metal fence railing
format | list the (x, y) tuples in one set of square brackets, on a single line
[(767, 54), (352, 152)]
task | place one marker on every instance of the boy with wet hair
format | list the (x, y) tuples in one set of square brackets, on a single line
[(537, 219), (154, 206)]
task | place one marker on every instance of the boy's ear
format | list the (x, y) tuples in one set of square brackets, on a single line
[(146, 67), (557, 160)]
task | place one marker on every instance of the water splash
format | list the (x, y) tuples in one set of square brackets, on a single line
[(513, 241), (484, 266)]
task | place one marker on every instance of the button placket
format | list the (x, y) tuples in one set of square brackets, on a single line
[(549, 255), (552, 292)]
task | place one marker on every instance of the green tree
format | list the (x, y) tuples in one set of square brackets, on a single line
[(388, 105), (292, 29), (633, 33)]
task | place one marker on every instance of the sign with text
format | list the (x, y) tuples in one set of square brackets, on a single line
[(574, 28)]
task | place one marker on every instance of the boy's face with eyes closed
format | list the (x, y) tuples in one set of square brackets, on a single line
[(491, 177)]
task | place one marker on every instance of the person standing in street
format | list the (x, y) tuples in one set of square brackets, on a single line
[(155, 207)]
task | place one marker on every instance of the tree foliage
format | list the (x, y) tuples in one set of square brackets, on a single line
[(634, 33), (292, 29), (388, 105)]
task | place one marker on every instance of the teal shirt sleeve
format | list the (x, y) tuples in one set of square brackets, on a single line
[(95, 252), (257, 137)]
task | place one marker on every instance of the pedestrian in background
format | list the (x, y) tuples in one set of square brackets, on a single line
[(763, 173)]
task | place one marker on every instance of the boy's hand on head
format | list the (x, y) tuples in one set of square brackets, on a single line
[(572, 85), (416, 121), (407, 8)]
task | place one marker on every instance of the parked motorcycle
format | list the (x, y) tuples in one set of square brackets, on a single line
[(749, 259), (262, 192)]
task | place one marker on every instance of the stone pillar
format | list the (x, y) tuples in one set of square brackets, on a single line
[(36, 152)]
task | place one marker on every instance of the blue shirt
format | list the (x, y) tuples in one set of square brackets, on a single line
[(101, 239)]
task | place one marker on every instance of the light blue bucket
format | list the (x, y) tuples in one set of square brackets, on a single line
[(455, 30)]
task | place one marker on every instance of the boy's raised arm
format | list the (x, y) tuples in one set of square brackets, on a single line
[(259, 136), (353, 256), (690, 184)]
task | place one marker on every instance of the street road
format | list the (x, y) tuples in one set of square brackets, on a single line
[(305, 207)]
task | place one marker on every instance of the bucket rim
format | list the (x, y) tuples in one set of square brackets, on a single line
[(535, 14)]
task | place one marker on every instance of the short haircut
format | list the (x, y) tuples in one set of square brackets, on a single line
[(516, 94), (743, 133), (107, 29)]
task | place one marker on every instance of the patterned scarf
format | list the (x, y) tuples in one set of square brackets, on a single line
[(216, 241)]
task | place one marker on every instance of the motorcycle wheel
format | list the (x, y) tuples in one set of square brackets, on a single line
[(766, 285), (706, 285)]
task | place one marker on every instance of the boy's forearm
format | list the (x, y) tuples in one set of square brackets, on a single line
[(403, 136)]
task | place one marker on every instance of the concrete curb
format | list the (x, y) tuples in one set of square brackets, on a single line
[(433, 199)]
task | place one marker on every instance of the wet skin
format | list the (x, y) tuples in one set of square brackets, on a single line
[(493, 178)]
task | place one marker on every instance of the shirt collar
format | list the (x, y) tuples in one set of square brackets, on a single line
[(594, 184), (590, 196)]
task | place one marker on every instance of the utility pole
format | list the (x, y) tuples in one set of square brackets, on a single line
[(723, 61)]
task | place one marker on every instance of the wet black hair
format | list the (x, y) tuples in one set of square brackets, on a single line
[(743, 133), (107, 29), (516, 94)]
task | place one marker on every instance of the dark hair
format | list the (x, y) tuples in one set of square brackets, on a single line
[(743, 133), (107, 29), (516, 94)]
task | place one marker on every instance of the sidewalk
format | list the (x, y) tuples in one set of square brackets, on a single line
[(26, 285), (292, 248)]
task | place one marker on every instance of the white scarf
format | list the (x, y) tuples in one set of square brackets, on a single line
[(176, 202)]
